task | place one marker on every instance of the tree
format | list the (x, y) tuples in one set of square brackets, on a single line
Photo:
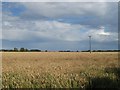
[(26, 50), (22, 49), (15, 49), (45, 50)]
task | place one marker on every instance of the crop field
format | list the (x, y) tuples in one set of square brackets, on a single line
[(60, 70)]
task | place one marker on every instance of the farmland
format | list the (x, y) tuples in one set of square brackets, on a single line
[(60, 70)]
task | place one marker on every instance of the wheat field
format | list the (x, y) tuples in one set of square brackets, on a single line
[(60, 70)]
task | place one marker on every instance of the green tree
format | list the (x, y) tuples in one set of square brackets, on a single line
[(22, 49), (15, 49)]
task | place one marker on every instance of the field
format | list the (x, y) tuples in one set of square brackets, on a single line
[(60, 70)]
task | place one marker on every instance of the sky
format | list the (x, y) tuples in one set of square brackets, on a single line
[(59, 25)]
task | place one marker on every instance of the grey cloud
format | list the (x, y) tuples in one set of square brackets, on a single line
[(92, 14), (61, 26)]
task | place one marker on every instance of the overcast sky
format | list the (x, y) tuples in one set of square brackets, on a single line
[(60, 26)]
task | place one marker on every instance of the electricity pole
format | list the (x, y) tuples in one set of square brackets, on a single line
[(90, 43)]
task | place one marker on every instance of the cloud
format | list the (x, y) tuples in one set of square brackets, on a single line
[(61, 1), (102, 32), (86, 13), (94, 14), (55, 23), (51, 30), (55, 10)]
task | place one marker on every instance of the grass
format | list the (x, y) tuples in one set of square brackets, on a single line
[(60, 70)]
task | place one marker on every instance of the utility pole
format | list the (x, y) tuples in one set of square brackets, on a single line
[(90, 43)]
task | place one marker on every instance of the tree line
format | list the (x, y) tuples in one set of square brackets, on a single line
[(21, 50), (102, 51), (37, 50), (31, 50)]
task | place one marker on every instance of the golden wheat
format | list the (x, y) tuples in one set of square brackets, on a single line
[(55, 69)]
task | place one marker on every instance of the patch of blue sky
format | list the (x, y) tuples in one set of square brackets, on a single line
[(77, 19), (14, 8)]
